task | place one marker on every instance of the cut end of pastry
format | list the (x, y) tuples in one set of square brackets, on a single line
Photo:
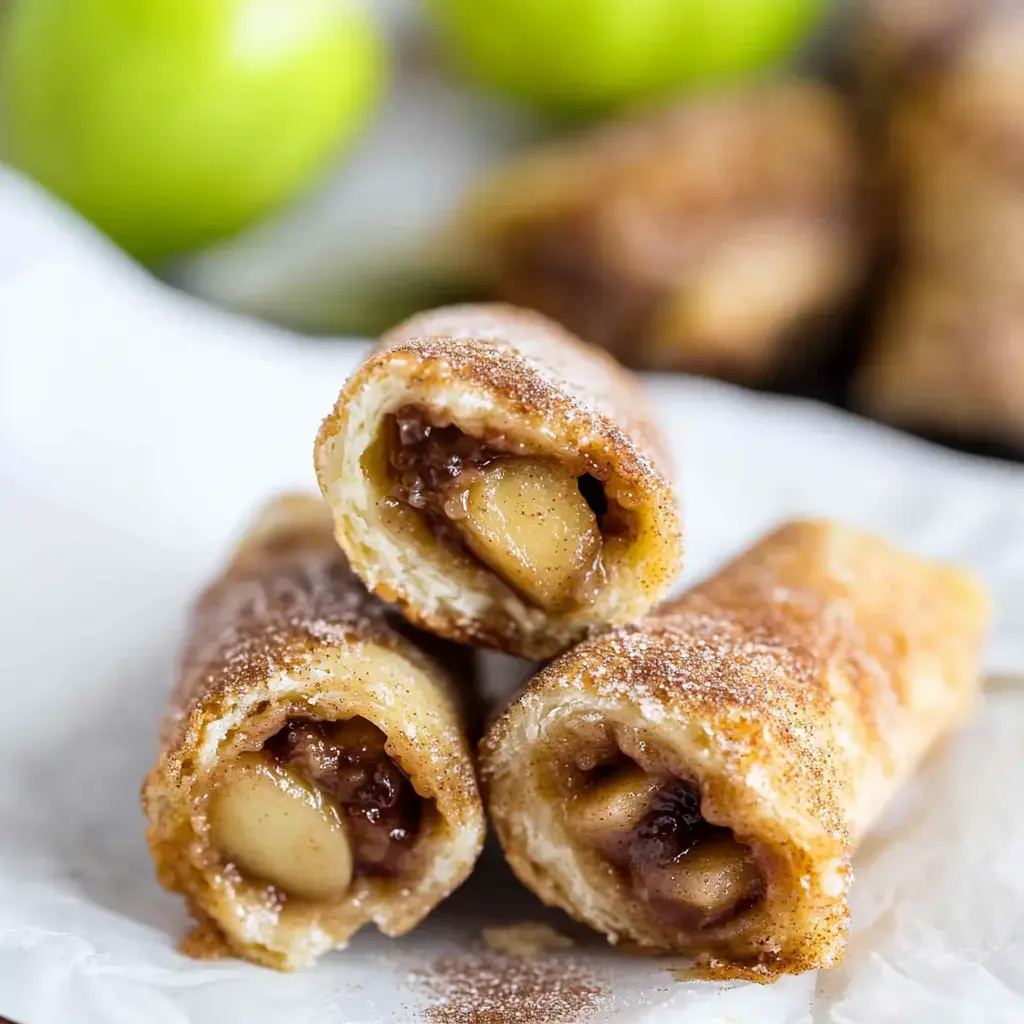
[(318, 804), (292, 808), (487, 501), (646, 828), (626, 827), (530, 521)]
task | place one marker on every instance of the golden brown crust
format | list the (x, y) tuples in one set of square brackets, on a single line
[(540, 369), (289, 630), (495, 370), (797, 688), (704, 237)]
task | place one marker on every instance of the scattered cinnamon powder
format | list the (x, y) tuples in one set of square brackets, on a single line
[(490, 989), (525, 939)]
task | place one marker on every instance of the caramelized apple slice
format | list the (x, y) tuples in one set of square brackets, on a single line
[(276, 827), (705, 884), (528, 521), (607, 814)]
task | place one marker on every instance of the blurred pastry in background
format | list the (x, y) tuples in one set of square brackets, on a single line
[(898, 37), (948, 356), (714, 236), (954, 141), (959, 196), (948, 359)]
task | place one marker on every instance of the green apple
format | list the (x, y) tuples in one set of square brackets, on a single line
[(172, 123), (591, 56)]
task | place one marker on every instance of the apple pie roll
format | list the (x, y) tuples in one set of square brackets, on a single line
[(713, 236), (948, 355), (696, 783), (315, 772), (500, 480), (947, 359)]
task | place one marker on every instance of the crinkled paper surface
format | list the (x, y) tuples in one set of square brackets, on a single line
[(139, 429)]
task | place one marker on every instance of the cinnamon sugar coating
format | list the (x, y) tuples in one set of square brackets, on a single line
[(797, 689), (540, 368), (289, 633), (520, 383)]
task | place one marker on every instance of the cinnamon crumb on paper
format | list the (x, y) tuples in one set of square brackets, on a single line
[(525, 939), (713, 969), (204, 942)]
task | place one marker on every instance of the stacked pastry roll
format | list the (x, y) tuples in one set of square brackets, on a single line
[(315, 772), (696, 782), (501, 481), (716, 236), (949, 352), (504, 485), (690, 779)]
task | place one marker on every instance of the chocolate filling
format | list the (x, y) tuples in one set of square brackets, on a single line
[(426, 459), (347, 761)]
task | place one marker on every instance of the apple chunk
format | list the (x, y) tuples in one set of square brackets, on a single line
[(527, 520), (276, 827), (707, 882), (607, 813)]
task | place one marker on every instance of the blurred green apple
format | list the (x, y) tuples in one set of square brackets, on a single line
[(171, 123), (590, 56)]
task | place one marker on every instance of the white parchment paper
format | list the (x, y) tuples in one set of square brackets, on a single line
[(139, 429)]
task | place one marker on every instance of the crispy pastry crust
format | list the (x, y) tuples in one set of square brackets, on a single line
[(797, 689), (494, 370), (710, 236), (289, 629)]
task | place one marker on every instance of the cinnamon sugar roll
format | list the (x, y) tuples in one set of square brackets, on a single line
[(696, 783), (501, 481), (315, 772)]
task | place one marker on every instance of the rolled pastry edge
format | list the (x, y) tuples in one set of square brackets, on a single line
[(330, 663), (791, 756), (464, 366)]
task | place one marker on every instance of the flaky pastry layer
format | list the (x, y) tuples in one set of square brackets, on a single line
[(289, 632), (494, 371), (794, 691)]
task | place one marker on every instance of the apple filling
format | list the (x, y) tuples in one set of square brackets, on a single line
[(692, 874), (320, 804), (531, 521)]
